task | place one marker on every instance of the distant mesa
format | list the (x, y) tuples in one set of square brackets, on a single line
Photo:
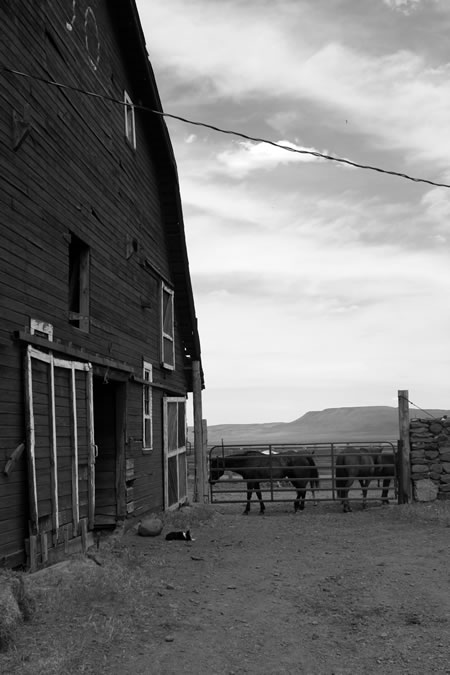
[(365, 423)]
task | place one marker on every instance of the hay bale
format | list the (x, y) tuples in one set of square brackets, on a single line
[(10, 612)]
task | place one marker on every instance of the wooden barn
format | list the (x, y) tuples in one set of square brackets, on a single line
[(99, 345)]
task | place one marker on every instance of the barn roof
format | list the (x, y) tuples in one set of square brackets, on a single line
[(134, 52)]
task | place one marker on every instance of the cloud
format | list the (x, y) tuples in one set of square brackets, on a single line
[(396, 99), (323, 282), (246, 156), (437, 208), (405, 6), (309, 214)]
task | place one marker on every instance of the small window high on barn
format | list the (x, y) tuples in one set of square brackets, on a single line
[(130, 127), (147, 417), (167, 328), (79, 283)]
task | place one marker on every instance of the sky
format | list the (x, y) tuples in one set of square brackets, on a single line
[(316, 284)]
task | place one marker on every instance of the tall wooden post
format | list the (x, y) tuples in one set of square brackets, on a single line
[(198, 432), (404, 464), (205, 463)]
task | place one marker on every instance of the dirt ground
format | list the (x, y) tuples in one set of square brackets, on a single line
[(314, 593)]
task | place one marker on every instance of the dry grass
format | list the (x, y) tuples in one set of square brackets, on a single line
[(16, 606), (437, 512), (80, 606), (84, 610)]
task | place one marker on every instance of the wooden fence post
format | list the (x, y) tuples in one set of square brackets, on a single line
[(198, 432), (404, 492), (205, 462)]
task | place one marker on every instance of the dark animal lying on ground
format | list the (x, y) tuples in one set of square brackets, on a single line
[(256, 467), (179, 536)]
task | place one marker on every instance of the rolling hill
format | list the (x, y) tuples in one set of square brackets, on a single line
[(365, 423)]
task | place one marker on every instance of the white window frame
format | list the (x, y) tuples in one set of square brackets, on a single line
[(130, 123), (167, 338), (175, 451), (147, 407)]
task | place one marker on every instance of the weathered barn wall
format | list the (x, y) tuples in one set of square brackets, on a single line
[(430, 458), (67, 169)]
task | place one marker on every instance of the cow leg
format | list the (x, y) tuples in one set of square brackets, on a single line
[(364, 487), (249, 497), (345, 503), (342, 493), (299, 503), (385, 492), (262, 507)]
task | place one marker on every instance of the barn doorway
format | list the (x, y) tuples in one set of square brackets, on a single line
[(109, 409)]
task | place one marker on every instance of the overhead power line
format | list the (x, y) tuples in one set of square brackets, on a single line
[(255, 139), (421, 409)]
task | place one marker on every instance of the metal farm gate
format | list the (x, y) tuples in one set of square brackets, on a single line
[(231, 488)]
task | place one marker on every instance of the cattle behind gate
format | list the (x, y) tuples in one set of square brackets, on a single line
[(382, 486)]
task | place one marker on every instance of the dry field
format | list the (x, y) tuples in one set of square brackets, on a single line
[(314, 593)]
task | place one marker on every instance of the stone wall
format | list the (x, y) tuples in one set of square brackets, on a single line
[(430, 458)]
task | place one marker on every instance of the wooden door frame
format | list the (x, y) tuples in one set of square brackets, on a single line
[(73, 366), (173, 453)]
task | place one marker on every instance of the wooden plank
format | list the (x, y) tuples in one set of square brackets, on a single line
[(53, 447), (59, 551), (12, 534), (30, 439), (58, 363), (32, 561), (83, 530), (75, 505), (74, 351), (66, 539), (130, 474), (10, 503), (92, 449), (44, 548), (405, 488), (120, 403), (206, 494), (199, 481)]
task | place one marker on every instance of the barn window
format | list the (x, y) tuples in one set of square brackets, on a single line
[(130, 128), (167, 332), (78, 284), (147, 417)]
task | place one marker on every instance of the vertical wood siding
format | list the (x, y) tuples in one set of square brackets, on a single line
[(76, 173)]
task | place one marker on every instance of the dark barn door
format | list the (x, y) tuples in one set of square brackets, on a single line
[(108, 433)]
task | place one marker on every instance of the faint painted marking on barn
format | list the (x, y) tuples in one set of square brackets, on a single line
[(92, 37), (69, 24)]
